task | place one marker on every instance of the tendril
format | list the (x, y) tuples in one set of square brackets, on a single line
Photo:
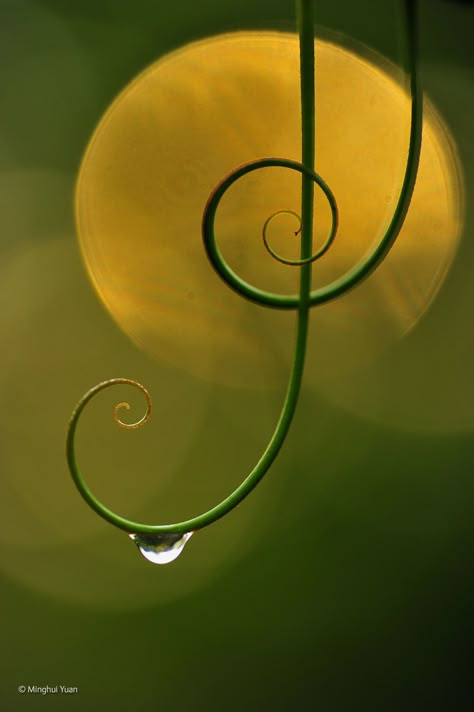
[(279, 301), (308, 260), (301, 301), (143, 420), (374, 257)]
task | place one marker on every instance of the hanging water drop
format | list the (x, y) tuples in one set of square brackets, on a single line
[(161, 548)]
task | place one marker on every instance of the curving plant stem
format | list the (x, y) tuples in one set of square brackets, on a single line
[(305, 298)]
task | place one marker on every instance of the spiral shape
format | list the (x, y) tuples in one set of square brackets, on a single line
[(130, 382), (81, 485), (215, 256), (373, 258), (319, 253)]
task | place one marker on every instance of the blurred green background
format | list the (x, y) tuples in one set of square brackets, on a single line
[(346, 580)]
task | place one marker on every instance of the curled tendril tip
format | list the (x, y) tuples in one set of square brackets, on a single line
[(119, 406)]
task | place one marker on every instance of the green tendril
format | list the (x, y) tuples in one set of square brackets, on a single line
[(373, 258), (305, 298), (313, 258)]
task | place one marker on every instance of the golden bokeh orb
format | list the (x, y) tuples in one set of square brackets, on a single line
[(190, 119)]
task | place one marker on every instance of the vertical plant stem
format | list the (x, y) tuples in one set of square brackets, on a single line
[(305, 22)]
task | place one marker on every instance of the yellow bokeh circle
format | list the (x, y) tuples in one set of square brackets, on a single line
[(190, 119)]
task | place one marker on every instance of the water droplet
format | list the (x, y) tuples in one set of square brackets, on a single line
[(161, 548)]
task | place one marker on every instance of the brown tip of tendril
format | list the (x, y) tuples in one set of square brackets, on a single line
[(142, 421)]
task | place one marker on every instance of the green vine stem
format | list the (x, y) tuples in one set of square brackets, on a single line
[(302, 301)]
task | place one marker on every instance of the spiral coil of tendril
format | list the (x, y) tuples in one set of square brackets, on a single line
[(305, 299)]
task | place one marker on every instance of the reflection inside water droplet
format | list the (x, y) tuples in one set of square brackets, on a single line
[(161, 548)]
